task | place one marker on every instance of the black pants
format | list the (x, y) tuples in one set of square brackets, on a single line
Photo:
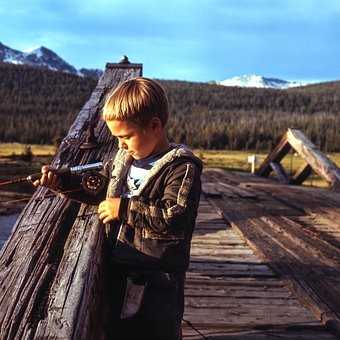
[(161, 311)]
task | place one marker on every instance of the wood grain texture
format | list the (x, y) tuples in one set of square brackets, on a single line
[(314, 158), (232, 292), (53, 266), (286, 227), (280, 151), (318, 161)]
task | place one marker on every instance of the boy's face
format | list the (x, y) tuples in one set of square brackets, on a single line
[(139, 143)]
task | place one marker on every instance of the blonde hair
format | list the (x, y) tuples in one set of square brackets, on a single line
[(137, 100)]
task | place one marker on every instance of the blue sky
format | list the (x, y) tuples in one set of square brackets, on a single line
[(196, 40)]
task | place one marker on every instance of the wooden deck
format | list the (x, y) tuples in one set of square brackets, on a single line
[(264, 261)]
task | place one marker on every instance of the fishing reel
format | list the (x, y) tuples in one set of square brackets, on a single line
[(93, 182)]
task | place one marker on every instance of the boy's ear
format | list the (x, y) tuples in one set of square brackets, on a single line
[(155, 123)]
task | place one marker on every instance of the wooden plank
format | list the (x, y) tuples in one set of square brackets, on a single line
[(214, 251), (248, 293), (223, 318), (227, 258), (269, 332), (287, 264), (209, 189), (281, 150), (247, 302), (301, 174), (228, 266), (280, 172), (315, 205), (318, 161), (230, 272), (248, 283), (316, 250), (235, 191)]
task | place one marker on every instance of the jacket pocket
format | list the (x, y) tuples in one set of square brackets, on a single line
[(147, 234)]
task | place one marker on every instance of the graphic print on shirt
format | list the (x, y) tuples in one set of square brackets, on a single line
[(134, 179), (138, 172)]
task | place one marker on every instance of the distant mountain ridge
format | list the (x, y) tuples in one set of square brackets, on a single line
[(45, 58), (254, 80)]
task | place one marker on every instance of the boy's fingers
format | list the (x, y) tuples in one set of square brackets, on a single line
[(102, 206), (43, 179), (46, 175), (103, 215), (44, 169), (49, 177), (107, 219), (36, 183)]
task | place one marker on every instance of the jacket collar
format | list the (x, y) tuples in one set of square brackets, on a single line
[(123, 160)]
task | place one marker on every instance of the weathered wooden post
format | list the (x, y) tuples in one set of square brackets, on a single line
[(52, 269)]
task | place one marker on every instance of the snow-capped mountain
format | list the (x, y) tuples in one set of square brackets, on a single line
[(92, 73), (254, 80), (43, 57)]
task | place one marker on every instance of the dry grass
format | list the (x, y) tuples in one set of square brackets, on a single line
[(9, 149)]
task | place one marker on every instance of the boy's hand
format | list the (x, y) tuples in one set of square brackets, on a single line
[(48, 179), (108, 210)]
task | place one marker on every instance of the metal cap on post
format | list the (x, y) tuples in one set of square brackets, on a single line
[(90, 139), (124, 62)]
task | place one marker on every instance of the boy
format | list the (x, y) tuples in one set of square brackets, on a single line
[(152, 199)]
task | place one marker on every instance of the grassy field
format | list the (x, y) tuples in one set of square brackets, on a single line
[(10, 149), (13, 163)]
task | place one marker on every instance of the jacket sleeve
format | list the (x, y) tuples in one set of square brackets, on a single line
[(178, 204)]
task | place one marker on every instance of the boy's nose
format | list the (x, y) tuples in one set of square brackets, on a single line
[(122, 145)]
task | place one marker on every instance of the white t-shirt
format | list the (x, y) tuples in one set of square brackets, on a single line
[(138, 172)]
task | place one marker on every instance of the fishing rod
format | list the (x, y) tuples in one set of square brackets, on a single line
[(91, 180)]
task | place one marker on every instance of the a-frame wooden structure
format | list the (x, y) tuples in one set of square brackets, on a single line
[(314, 159)]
